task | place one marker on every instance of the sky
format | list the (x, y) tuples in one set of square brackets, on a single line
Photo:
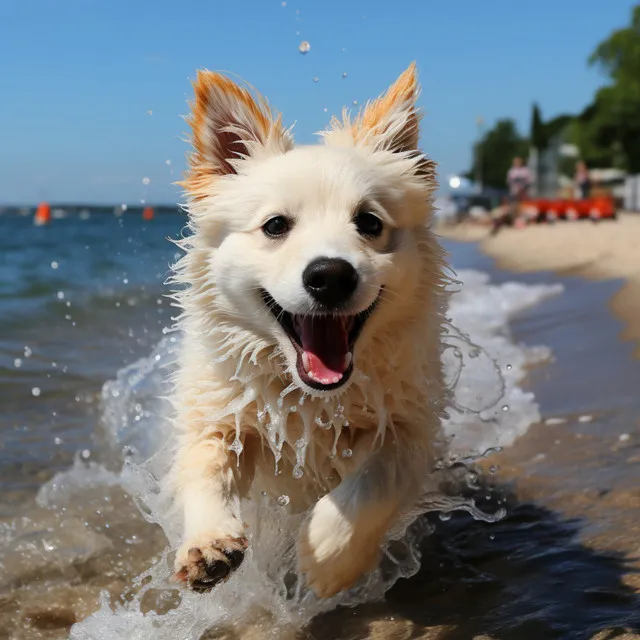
[(93, 93)]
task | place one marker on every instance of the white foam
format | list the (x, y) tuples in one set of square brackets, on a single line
[(483, 363)]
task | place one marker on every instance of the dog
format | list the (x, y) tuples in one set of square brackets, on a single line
[(312, 296)]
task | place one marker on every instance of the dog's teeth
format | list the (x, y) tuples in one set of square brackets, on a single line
[(347, 360), (335, 380), (305, 361)]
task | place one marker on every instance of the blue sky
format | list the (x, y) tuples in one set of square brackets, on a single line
[(78, 78)]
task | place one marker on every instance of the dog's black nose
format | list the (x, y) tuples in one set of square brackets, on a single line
[(330, 281)]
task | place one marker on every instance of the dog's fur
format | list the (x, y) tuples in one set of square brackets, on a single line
[(355, 453)]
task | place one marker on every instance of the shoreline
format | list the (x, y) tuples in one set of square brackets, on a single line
[(607, 250)]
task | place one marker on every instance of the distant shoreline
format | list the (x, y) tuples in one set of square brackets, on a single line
[(596, 251)]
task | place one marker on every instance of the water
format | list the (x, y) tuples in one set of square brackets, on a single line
[(99, 427)]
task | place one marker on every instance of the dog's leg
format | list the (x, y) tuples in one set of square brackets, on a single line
[(214, 534), (342, 538)]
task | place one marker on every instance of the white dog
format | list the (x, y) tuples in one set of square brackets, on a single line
[(312, 292)]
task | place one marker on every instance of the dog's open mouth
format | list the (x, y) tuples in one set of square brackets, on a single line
[(323, 343)]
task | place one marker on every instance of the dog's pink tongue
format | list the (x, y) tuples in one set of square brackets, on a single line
[(325, 345)]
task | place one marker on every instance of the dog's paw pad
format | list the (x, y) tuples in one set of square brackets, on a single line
[(203, 566)]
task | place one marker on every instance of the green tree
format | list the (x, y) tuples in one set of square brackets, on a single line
[(494, 153), (610, 127)]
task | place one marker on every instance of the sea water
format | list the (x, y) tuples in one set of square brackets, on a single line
[(489, 410)]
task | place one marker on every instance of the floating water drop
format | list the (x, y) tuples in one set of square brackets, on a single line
[(493, 468), (623, 437), (492, 537), (444, 515), (150, 112), (236, 447), (315, 78), (283, 4), (297, 472), (283, 500), (355, 102), (17, 363), (304, 47), (57, 441), (585, 418), (27, 352), (35, 391), (86, 454), (344, 74), (509, 367), (325, 109), (505, 407), (60, 295), (146, 181), (54, 265), (167, 162), (347, 453)]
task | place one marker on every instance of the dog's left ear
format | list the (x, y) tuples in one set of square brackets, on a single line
[(229, 124), (391, 121)]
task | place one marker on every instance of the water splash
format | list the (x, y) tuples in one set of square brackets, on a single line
[(266, 592)]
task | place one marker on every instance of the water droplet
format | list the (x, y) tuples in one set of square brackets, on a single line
[(325, 109), (316, 79), (125, 280), (474, 353), (585, 418), (150, 112), (60, 295), (57, 441), (355, 102), (344, 74), (17, 363), (146, 181), (492, 537), (304, 47), (509, 367), (27, 352), (264, 494), (86, 453), (236, 447), (623, 437), (283, 500), (505, 407), (493, 468), (283, 4), (298, 472), (444, 515), (54, 265), (35, 391), (347, 453), (167, 162)]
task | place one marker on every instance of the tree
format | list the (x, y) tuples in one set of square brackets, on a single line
[(610, 127), (494, 153)]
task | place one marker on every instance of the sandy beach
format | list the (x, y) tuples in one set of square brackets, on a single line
[(606, 250)]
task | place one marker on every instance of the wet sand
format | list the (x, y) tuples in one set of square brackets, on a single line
[(604, 250)]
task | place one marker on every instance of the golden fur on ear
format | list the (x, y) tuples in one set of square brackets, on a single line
[(393, 117), (228, 124)]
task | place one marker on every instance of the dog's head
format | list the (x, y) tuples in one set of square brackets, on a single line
[(313, 248)]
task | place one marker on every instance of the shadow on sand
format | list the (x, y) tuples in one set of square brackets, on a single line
[(524, 578)]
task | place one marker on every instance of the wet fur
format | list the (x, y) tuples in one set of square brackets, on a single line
[(240, 408)]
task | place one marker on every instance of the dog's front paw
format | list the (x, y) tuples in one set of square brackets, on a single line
[(204, 562), (333, 553)]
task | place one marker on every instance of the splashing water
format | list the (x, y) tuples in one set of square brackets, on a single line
[(304, 47), (483, 367)]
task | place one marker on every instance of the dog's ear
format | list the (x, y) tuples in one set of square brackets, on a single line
[(228, 124), (391, 121)]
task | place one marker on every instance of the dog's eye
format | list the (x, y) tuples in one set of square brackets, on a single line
[(368, 224), (275, 227)]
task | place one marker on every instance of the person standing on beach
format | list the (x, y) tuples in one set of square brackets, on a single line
[(518, 182), (582, 180)]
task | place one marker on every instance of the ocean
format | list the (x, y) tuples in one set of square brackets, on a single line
[(85, 349)]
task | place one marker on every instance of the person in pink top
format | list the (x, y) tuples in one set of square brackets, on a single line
[(518, 180)]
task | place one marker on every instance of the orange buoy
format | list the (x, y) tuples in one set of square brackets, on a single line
[(43, 214), (147, 213)]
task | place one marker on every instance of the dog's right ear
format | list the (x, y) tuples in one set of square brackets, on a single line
[(228, 125)]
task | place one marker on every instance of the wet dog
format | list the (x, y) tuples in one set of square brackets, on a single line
[(312, 293)]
